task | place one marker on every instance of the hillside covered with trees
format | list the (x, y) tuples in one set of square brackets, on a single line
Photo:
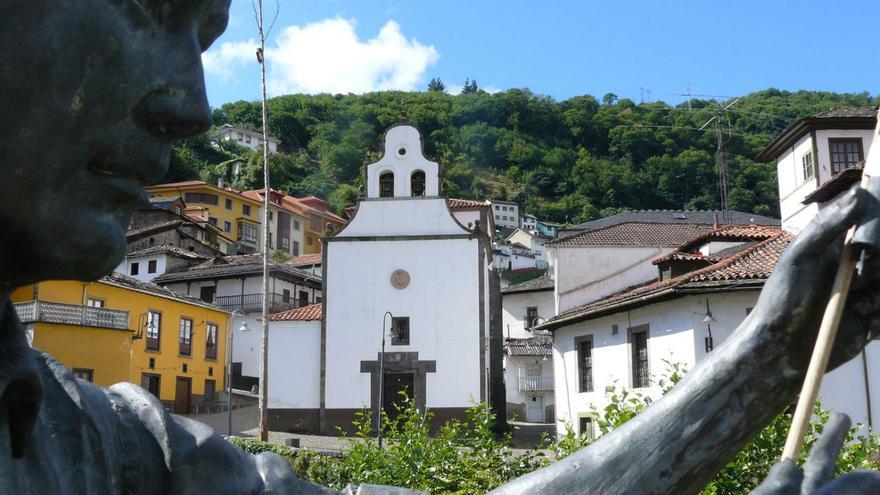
[(567, 161)]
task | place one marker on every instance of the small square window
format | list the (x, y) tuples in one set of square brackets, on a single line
[(152, 363), (210, 371), (151, 266), (227, 226), (400, 330), (135, 268), (228, 204), (586, 427), (185, 367), (296, 225), (246, 209)]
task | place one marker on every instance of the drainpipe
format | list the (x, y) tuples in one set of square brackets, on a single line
[(867, 387)]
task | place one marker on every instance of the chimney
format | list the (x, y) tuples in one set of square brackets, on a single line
[(220, 183), (716, 221)]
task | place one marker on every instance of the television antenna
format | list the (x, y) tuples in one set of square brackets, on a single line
[(720, 160)]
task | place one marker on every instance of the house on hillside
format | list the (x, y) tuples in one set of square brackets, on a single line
[(405, 267), (286, 224), (236, 283), (245, 137), (528, 370), (595, 259), (533, 241), (321, 220), (234, 215), (147, 264), (312, 263), (817, 158), (506, 214), (164, 223)]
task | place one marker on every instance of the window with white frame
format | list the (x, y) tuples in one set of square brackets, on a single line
[(809, 170)]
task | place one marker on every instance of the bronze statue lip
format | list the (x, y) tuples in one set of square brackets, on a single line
[(122, 182)]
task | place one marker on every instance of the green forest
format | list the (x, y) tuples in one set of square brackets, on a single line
[(567, 161)]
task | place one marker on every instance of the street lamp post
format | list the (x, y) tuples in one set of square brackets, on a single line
[(382, 375), (243, 328)]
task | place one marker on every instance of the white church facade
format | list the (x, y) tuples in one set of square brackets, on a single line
[(411, 266)]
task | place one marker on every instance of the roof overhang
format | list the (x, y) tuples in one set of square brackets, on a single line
[(792, 133)]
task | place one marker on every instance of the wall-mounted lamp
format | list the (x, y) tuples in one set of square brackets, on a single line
[(708, 320), (144, 322)]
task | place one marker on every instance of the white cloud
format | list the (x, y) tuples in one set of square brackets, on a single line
[(327, 56), (223, 61)]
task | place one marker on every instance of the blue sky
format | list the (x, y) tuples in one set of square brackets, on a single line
[(556, 48)]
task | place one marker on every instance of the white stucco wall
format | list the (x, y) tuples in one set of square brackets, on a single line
[(402, 216), (143, 267), (676, 334), (824, 149), (513, 311), (442, 302), (294, 364), (586, 274)]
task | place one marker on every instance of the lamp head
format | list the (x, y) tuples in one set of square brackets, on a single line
[(244, 327)]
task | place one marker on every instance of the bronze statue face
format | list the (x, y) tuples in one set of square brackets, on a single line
[(93, 93)]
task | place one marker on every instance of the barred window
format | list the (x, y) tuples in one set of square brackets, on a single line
[(386, 185), (639, 343), (585, 365)]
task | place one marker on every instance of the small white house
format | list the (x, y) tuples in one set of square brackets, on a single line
[(532, 241), (529, 222), (294, 368), (817, 158), (244, 137), (528, 370), (147, 264)]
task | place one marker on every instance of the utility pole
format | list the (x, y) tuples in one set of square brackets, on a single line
[(644, 94), (720, 161), (688, 93), (264, 335)]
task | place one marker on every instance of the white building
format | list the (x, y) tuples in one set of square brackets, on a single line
[(532, 241), (147, 264), (406, 266), (528, 370), (529, 222), (817, 158), (595, 259), (244, 137), (506, 214), (514, 257), (236, 283)]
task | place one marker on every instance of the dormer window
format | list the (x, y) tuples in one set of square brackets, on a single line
[(386, 185), (417, 183)]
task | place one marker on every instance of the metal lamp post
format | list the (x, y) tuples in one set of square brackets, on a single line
[(243, 328), (382, 375), (708, 320)]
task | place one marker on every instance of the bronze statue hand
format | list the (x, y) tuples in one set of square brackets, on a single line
[(787, 479)]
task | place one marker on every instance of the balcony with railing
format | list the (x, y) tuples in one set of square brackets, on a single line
[(535, 383), (71, 314), (251, 303)]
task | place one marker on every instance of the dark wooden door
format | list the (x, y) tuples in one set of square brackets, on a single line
[(182, 395), (394, 384), (210, 386), (150, 383)]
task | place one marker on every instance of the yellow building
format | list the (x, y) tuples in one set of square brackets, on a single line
[(121, 329), (235, 215), (321, 221)]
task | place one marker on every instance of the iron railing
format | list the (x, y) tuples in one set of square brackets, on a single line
[(250, 303), (535, 383), (71, 314)]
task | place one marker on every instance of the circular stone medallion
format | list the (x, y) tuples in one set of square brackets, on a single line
[(400, 279)]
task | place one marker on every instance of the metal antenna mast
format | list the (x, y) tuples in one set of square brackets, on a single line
[(720, 160)]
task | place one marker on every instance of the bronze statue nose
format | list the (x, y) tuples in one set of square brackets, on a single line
[(174, 113)]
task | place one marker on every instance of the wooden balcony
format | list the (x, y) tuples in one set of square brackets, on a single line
[(535, 383), (252, 303), (71, 314)]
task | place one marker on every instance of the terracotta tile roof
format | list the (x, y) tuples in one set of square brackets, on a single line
[(461, 204), (536, 284), (728, 233), (306, 313), (235, 266), (751, 266), (167, 249), (305, 260), (539, 345), (636, 234), (705, 217), (127, 282)]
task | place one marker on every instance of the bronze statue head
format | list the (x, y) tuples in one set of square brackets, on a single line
[(93, 93)]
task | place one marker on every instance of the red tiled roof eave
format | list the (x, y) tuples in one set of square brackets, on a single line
[(312, 312)]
